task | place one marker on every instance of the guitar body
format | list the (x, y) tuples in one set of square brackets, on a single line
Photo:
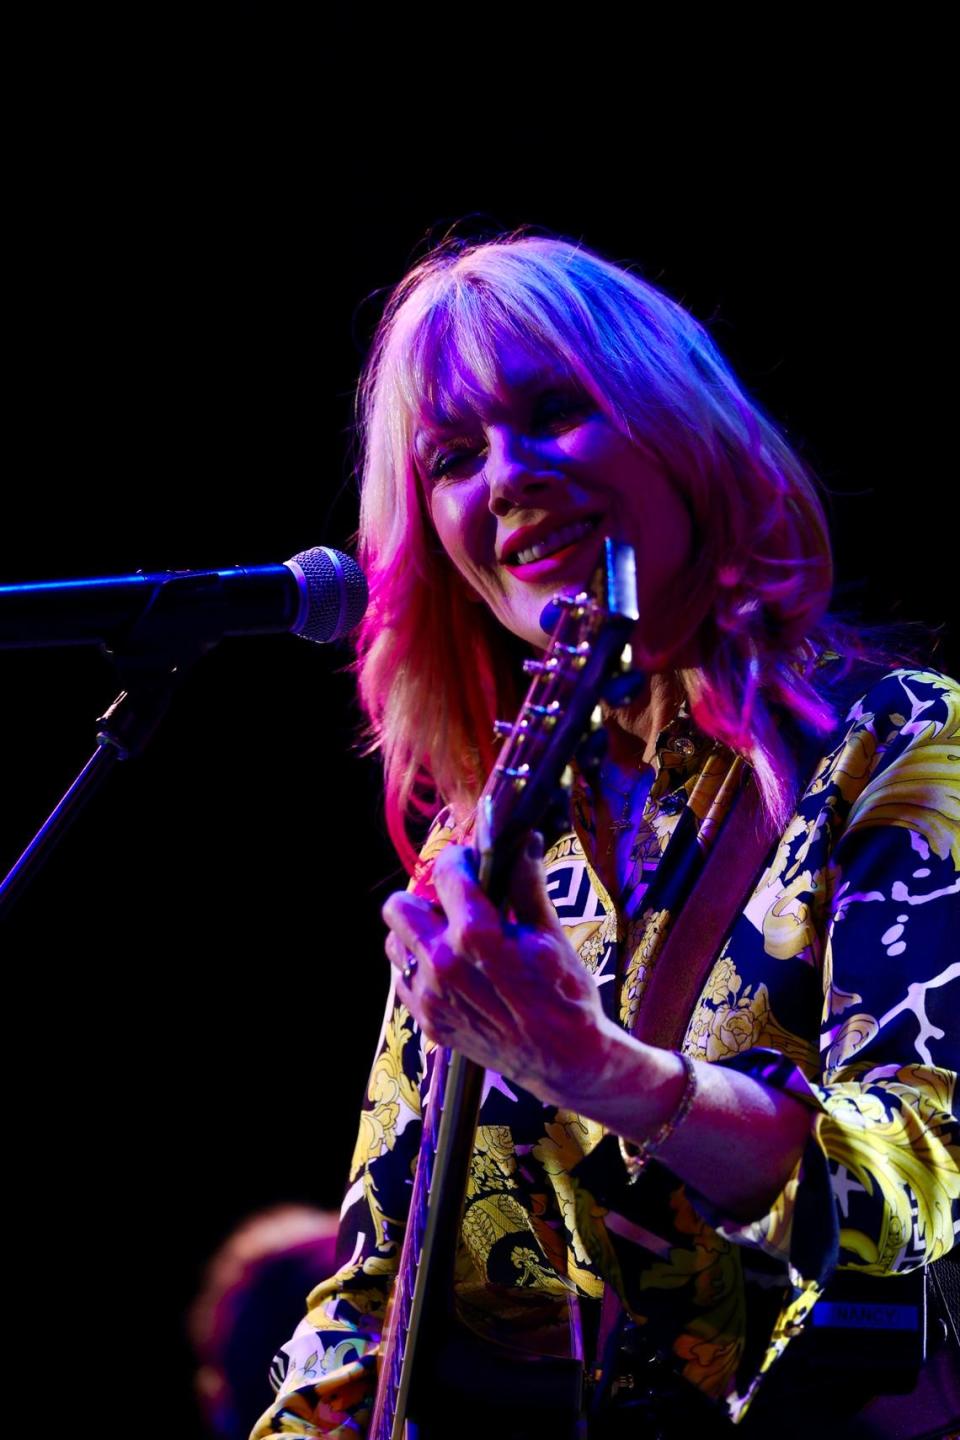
[(470, 1383)]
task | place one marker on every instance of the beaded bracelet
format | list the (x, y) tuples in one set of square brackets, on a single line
[(636, 1156)]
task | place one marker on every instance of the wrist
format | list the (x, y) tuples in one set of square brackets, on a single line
[(636, 1154), (629, 1087)]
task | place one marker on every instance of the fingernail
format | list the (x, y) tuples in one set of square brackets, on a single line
[(535, 846)]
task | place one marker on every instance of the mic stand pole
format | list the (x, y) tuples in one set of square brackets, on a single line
[(150, 663)]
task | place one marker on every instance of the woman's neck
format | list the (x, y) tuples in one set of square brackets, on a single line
[(632, 732)]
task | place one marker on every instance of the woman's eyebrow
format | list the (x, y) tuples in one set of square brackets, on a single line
[(522, 383), (518, 382), (433, 430), (546, 374)]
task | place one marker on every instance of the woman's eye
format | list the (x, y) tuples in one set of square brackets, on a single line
[(558, 405), (445, 460), (551, 410)]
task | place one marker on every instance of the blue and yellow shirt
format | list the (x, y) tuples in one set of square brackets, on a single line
[(839, 983)]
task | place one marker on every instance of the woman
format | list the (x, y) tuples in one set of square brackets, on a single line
[(524, 398)]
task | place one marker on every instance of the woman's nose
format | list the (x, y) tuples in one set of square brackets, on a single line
[(514, 471)]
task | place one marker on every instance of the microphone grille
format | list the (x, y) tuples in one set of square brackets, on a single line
[(335, 593)]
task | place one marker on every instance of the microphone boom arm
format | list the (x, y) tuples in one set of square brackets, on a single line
[(154, 629)]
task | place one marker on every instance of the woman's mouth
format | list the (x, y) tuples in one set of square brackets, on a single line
[(550, 553)]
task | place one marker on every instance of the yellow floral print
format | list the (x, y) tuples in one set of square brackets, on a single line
[(832, 986)]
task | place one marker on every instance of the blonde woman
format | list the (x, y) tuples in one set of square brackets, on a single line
[(523, 398)]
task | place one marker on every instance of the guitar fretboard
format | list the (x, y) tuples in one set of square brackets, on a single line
[(392, 1360)]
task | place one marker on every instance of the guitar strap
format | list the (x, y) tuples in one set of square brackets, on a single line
[(692, 946), (697, 933)]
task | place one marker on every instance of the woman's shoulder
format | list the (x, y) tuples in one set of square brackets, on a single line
[(876, 692), (904, 698), (894, 760)]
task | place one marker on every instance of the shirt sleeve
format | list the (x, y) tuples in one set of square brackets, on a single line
[(325, 1374), (878, 1186)]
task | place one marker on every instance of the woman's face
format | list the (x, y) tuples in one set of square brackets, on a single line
[(523, 491)]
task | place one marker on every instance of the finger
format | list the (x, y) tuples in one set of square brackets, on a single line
[(413, 919), (474, 924), (438, 977), (409, 986), (397, 953), (456, 1017), (528, 895), (405, 966)]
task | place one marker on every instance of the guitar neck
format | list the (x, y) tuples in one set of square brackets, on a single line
[(424, 1284), (580, 665)]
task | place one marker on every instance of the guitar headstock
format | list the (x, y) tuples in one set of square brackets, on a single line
[(583, 662)]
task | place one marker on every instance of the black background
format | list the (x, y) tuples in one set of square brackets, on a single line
[(197, 223)]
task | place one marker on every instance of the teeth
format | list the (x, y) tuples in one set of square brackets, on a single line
[(556, 540)]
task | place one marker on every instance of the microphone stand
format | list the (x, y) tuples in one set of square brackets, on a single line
[(151, 661)]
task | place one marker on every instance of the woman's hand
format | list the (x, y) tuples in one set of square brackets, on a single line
[(517, 999), (513, 997)]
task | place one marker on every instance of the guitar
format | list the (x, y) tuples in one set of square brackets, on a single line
[(430, 1365)]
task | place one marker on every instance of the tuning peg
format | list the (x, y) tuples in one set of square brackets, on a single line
[(547, 714), (579, 654), (576, 605), (518, 774), (503, 728)]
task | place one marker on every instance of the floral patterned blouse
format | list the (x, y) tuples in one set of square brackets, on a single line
[(839, 983)]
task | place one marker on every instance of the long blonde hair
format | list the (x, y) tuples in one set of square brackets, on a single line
[(435, 669)]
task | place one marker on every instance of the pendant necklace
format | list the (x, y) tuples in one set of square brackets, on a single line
[(619, 826)]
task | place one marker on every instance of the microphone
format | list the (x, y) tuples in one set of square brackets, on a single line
[(319, 594)]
